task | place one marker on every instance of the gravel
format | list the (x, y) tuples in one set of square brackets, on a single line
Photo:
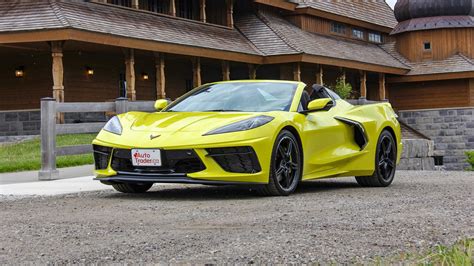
[(325, 221)]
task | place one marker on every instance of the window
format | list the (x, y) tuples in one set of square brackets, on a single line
[(427, 46), (126, 3), (338, 28), (358, 34), (375, 37), (187, 9), (158, 6)]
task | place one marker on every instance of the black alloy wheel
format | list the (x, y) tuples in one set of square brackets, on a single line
[(286, 166), (385, 163)]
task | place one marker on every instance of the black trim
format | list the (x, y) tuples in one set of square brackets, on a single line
[(360, 135), (174, 178)]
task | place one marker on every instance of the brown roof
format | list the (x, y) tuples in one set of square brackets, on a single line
[(430, 23), (109, 19), (454, 64), (376, 12), (294, 40)]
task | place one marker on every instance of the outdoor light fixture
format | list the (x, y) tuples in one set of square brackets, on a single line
[(89, 71), (145, 76), (19, 72)]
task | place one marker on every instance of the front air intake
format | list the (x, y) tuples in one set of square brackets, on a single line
[(236, 159)]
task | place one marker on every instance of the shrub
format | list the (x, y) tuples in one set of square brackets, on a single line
[(343, 88), (470, 159)]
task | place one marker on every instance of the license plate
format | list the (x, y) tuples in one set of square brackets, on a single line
[(146, 157)]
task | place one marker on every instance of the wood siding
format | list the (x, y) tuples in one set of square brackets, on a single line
[(444, 43), (323, 26), (437, 94)]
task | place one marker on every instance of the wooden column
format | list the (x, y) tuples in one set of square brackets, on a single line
[(196, 72), (363, 84), (382, 92), (319, 75), (135, 4), (160, 76), (202, 10), (173, 8), (297, 72), (130, 73), (58, 75), (343, 74), (225, 70), (252, 71), (230, 13)]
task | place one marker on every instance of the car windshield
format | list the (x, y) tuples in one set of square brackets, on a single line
[(238, 97)]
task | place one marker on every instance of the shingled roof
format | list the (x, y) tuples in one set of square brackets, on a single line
[(292, 39), (454, 64), (18, 16), (372, 11)]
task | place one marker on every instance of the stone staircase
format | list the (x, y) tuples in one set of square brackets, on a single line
[(418, 150)]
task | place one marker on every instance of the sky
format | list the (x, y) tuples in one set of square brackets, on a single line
[(391, 2)]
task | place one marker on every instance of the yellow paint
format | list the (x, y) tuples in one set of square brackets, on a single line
[(328, 145)]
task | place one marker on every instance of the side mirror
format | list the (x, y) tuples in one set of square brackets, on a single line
[(319, 104), (161, 104)]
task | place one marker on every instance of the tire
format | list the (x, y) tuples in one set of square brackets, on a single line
[(285, 167), (385, 163), (132, 188)]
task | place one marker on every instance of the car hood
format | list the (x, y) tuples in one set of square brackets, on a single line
[(169, 122)]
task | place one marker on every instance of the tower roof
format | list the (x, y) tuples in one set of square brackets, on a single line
[(415, 15)]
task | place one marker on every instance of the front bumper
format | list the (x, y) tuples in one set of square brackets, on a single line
[(232, 163)]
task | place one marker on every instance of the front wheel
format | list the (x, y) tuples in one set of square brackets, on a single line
[(285, 167), (132, 188), (385, 163)]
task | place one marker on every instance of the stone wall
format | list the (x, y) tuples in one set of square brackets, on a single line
[(22, 123), (417, 154), (452, 131)]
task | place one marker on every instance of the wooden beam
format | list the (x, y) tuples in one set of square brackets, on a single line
[(252, 71), (135, 4), (297, 72), (431, 77), (225, 70), (130, 73), (160, 76), (202, 10), (196, 72), (58, 75), (363, 84), (382, 92), (320, 75), (282, 4), (173, 8), (230, 14)]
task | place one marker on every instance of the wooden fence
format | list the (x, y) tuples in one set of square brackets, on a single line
[(49, 128)]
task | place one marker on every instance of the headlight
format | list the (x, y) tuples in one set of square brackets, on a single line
[(114, 126), (242, 125)]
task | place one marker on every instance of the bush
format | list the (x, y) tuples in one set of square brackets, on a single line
[(470, 159), (342, 88)]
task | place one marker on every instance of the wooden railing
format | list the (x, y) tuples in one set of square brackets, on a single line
[(50, 129)]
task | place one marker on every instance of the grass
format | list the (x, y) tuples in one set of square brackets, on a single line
[(459, 254), (26, 155), (470, 159)]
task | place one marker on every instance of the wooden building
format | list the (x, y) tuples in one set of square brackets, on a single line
[(98, 50)]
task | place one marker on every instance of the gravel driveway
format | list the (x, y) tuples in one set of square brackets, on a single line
[(325, 220)]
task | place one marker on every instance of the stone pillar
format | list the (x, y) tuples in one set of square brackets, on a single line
[(160, 76), (130, 73)]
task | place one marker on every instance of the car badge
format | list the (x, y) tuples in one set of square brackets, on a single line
[(152, 137)]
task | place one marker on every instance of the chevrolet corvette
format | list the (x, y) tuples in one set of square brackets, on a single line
[(271, 135)]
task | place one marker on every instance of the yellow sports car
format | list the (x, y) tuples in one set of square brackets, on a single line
[(267, 134)]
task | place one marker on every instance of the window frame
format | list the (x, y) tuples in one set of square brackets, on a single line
[(338, 28), (362, 37), (375, 34)]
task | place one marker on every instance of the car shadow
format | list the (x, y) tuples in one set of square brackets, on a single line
[(228, 192)]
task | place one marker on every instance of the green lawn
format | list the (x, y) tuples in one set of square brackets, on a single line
[(26, 155)]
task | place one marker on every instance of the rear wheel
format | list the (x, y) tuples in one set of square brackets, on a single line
[(132, 188), (385, 163), (285, 167)]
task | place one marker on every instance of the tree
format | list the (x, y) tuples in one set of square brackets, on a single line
[(342, 88)]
